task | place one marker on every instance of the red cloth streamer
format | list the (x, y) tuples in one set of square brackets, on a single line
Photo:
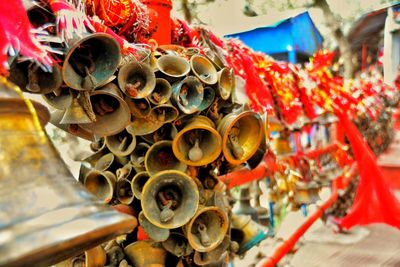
[(374, 202)]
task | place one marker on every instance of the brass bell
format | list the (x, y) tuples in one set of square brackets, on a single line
[(139, 108), (90, 61), (241, 136), (75, 113), (246, 232), (161, 93), (169, 199), (160, 157), (213, 256), (165, 113), (73, 129), (207, 228), (138, 182), (173, 66), (138, 154), (136, 80), (123, 191), (203, 69), (31, 78), (167, 132), (59, 99), (226, 83), (198, 143), (178, 245), (146, 254), (105, 162), (111, 111), (34, 176), (208, 99), (188, 94), (101, 184), (123, 143)]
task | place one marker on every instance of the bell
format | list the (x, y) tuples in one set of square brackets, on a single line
[(208, 99), (73, 129), (198, 143), (139, 108), (31, 78), (207, 229), (259, 155), (246, 232), (167, 132), (146, 254), (160, 157), (34, 176), (59, 99), (138, 182), (188, 94), (111, 111), (123, 143), (105, 162), (138, 154), (165, 113), (136, 80), (155, 233), (95, 257), (213, 256), (123, 191), (203, 69), (161, 93), (178, 245), (90, 61), (101, 184), (243, 206), (173, 66), (169, 199), (241, 136), (226, 83), (75, 114)]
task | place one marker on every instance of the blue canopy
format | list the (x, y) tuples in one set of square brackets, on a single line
[(290, 39)]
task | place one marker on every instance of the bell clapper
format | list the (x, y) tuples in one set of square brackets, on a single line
[(179, 248), (87, 105), (235, 147), (156, 96), (183, 95), (166, 213), (102, 108), (161, 115), (122, 173), (133, 88), (195, 153), (142, 106), (33, 78), (204, 238), (122, 145), (89, 81)]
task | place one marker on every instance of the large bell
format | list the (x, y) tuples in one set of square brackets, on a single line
[(170, 199), (173, 66), (161, 93), (188, 94), (90, 61), (59, 99), (207, 229), (146, 254), (46, 215), (246, 232), (160, 157), (226, 83), (112, 112), (136, 80), (241, 136), (31, 78), (123, 143), (203, 69), (198, 143)]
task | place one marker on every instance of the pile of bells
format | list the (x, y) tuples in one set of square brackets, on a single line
[(162, 130)]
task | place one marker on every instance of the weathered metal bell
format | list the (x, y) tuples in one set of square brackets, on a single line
[(161, 93), (213, 256), (160, 157), (105, 162), (59, 99), (138, 154), (101, 184), (123, 191), (246, 232), (165, 113), (111, 111), (155, 233), (167, 132), (138, 182), (31, 78), (90, 61), (34, 176), (241, 136), (173, 66), (243, 205), (140, 107), (170, 199), (207, 229), (178, 245), (226, 83), (188, 94), (75, 113), (146, 254), (73, 129), (136, 80), (203, 69), (208, 98), (123, 143), (198, 143)]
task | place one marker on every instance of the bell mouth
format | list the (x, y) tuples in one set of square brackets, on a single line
[(188, 94), (161, 93), (101, 185), (87, 55), (226, 83), (160, 157), (177, 239), (136, 80), (138, 183), (139, 107), (173, 66), (204, 69), (138, 155), (124, 191), (121, 144)]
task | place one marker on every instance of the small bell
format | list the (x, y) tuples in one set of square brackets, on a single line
[(195, 153)]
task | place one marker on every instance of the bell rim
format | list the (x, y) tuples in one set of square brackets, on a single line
[(124, 70)]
